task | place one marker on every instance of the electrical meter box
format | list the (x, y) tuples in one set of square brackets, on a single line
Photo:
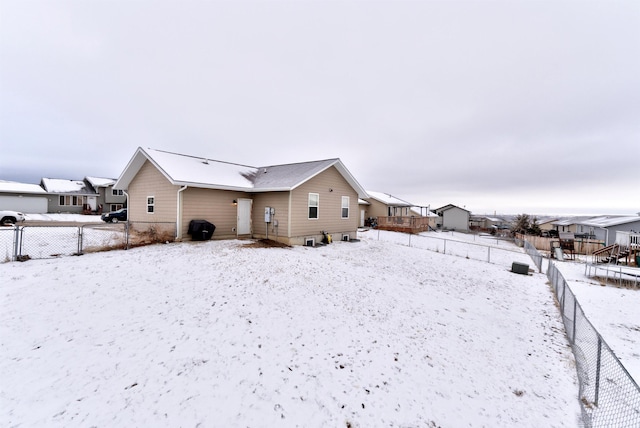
[(268, 213)]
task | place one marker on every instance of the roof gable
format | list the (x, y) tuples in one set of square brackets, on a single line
[(448, 207)]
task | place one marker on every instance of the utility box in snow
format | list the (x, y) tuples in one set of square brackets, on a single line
[(520, 268)]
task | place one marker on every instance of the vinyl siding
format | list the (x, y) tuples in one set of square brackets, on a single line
[(455, 218), (330, 208), (376, 209), (150, 182), (279, 201), (214, 206)]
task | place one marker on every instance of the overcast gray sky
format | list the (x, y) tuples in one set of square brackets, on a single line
[(498, 106)]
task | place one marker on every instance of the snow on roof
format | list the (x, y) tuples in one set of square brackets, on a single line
[(189, 170), (608, 221), (59, 185), (101, 182), (289, 176), (201, 172), (568, 221), (418, 211), (15, 187), (388, 199)]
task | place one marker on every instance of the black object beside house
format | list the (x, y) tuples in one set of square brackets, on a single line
[(201, 230)]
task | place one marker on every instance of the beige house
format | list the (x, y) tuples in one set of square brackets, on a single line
[(293, 204), (385, 205)]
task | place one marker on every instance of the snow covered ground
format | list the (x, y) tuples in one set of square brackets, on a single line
[(219, 333), (78, 218), (613, 311)]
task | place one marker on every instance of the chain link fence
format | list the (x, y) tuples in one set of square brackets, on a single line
[(51, 241), (532, 252), (486, 248), (609, 397)]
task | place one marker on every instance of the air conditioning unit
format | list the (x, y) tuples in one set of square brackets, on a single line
[(521, 268), (309, 242)]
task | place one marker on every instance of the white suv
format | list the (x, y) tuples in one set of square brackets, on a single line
[(10, 217)]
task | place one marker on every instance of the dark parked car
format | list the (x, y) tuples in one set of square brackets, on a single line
[(115, 216)]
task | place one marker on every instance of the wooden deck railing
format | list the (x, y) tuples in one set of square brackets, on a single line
[(581, 246), (404, 224)]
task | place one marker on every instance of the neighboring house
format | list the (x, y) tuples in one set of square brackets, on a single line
[(426, 212), (483, 222), (23, 197), (69, 196), (604, 228), (109, 199), (386, 205), (568, 224), (547, 224), (362, 205), (293, 203), (453, 217)]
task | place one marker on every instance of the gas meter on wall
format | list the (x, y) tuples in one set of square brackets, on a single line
[(268, 213)]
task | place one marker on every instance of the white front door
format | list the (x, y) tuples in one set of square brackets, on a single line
[(91, 200), (244, 216), (361, 218)]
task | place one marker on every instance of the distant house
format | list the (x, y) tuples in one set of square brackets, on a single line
[(23, 197), (547, 224), (604, 228), (363, 206), (568, 224), (109, 199), (485, 223), (293, 203), (386, 205), (453, 217), (69, 196)]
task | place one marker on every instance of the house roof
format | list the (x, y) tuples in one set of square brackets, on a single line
[(59, 185), (568, 221), (418, 211), (609, 221), (100, 182), (15, 187), (193, 171), (450, 206), (388, 199)]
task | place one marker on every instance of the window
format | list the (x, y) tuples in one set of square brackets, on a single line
[(151, 204), (116, 192), (314, 204), (72, 200), (116, 207), (345, 207)]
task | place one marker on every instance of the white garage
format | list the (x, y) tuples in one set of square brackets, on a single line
[(23, 197)]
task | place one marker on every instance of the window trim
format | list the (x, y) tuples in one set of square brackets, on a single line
[(342, 208), (151, 204), (317, 206)]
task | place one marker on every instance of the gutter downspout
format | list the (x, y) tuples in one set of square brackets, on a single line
[(179, 213), (128, 217)]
